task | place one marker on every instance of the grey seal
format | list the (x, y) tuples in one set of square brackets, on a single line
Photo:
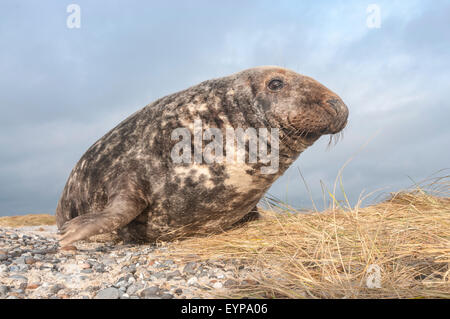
[(128, 183)]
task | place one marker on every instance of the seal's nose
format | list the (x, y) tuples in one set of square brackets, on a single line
[(337, 105), (341, 110)]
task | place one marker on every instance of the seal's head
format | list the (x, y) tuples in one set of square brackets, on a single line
[(302, 107)]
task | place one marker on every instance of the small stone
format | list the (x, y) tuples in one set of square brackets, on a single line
[(23, 286), (132, 269), (160, 274), (85, 266), (86, 271), (150, 292), (100, 268), (108, 293), (217, 285), (3, 268), (19, 278), (178, 291), (17, 292), (29, 260), (173, 274), (32, 286), (3, 290), (55, 288), (190, 268), (166, 264), (249, 282), (230, 283), (121, 283), (109, 261), (166, 296), (3, 257), (133, 289), (192, 281), (23, 268)]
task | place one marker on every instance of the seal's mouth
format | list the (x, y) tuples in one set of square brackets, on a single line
[(309, 136)]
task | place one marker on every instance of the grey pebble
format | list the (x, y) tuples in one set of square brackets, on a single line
[(108, 293), (160, 274), (230, 283), (190, 268), (3, 290), (173, 274), (87, 271), (150, 292), (109, 261), (17, 291), (19, 277), (13, 268), (132, 289), (55, 288), (3, 268), (132, 269)]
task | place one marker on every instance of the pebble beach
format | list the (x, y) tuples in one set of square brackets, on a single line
[(32, 266)]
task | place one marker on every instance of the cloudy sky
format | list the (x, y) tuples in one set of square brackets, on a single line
[(61, 89)]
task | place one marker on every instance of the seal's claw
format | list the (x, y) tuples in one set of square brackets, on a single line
[(76, 229), (118, 214)]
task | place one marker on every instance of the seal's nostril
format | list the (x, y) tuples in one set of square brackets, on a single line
[(336, 105)]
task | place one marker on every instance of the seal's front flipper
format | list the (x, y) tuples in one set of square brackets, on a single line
[(119, 213)]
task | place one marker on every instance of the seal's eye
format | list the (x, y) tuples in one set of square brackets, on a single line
[(275, 84)]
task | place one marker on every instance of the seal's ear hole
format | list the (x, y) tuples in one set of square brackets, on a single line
[(275, 84)]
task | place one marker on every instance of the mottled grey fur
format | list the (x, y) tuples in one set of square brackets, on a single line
[(127, 182)]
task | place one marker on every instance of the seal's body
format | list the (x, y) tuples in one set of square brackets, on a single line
[(128, 182)]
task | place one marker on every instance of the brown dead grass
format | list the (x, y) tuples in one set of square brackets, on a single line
[(329, 254), (27, 220)]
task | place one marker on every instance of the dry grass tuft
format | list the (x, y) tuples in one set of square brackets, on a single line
[(332, 254), (27, 220)]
